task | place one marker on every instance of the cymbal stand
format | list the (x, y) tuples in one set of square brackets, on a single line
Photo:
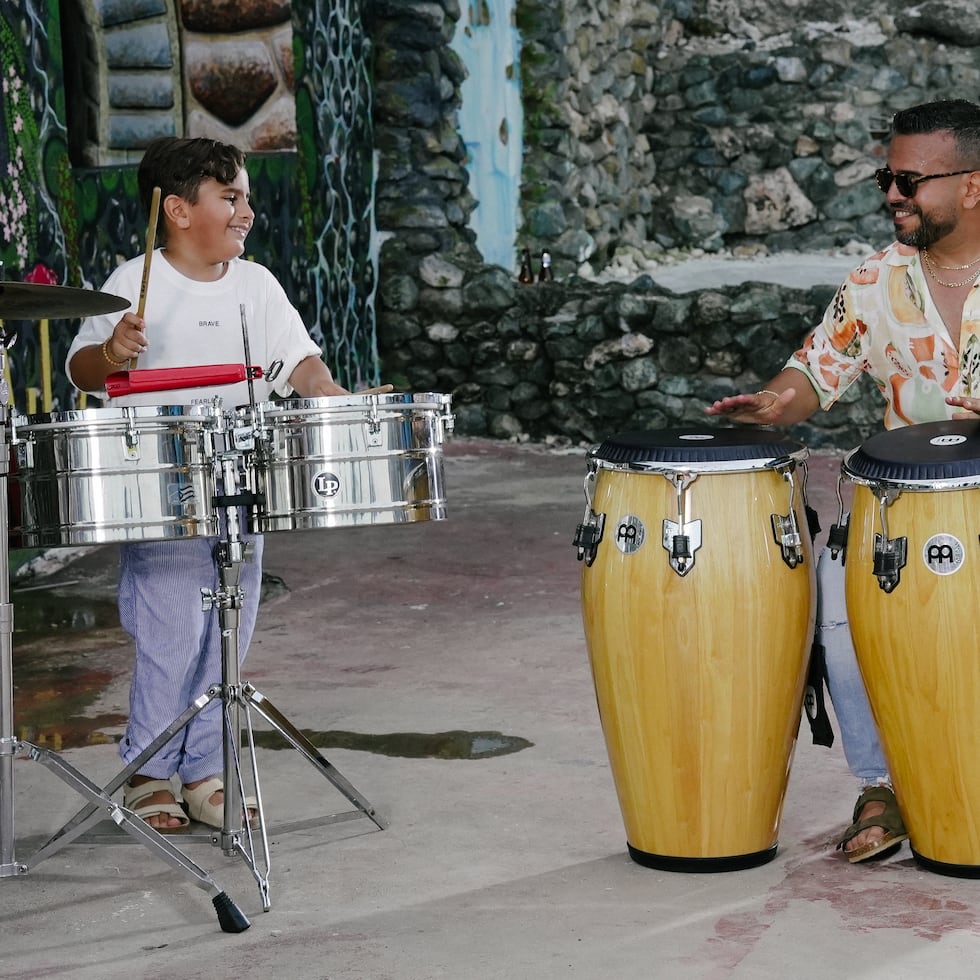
[(8, 744)]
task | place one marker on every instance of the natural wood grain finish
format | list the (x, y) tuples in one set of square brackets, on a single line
[(918, 652), (699, 679)]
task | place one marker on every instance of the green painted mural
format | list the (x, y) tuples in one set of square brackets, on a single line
[(314, 205)]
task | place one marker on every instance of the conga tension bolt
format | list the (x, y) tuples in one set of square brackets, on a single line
[(681, 538), (837, 536), (889, 553), (589, 533), (785, 528)]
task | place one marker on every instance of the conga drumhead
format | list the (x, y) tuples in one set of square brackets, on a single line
[(701, 449), (699, 677), (935, 455), (916, 644)]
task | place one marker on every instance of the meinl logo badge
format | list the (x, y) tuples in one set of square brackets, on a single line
[(943, 554)]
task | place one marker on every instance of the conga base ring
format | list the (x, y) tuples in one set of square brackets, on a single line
[(730, 862), (945, 868)]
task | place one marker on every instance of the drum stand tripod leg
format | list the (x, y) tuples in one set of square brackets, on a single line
[(230, 917), (239, 699), (235, 835), (306, 748), (92, 813)]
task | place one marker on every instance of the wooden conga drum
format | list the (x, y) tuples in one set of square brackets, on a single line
[(698, 602), (912, 579)]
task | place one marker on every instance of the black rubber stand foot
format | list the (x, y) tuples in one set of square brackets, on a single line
[(230, 916)]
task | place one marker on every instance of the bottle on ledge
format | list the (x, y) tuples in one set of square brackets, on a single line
[(527, 273), (546, 274)]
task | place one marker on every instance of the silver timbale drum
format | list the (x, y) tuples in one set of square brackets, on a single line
[(113, 474), (349, 460)]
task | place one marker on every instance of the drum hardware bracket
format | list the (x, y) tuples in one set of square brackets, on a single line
[(787, 534), (132, 437), (681, 538), (589, 533), (243, 437), (889, 560), (890, 554), (786, 529), (837, 537), (25, 454), (374, 438)]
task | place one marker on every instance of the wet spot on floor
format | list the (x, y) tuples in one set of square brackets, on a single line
[(39, 611), (61, 668), (409, 745)]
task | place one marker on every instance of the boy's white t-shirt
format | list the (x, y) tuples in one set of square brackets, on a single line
[(191, 323)]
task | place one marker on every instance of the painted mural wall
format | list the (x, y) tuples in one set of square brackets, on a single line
[(287, 81)]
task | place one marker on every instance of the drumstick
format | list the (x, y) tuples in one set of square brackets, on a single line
[(151, 234), (380, 390)]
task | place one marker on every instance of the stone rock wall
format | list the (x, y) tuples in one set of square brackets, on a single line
[(748, 127), (571, 362)]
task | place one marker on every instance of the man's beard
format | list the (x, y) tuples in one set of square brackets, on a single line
[(929, 231)]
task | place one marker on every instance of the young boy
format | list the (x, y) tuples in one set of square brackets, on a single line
[(197, 286)]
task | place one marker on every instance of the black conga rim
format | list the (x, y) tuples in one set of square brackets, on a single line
[(725, 862), (947, 868)]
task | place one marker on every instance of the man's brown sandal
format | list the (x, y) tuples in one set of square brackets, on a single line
[(890, 820)]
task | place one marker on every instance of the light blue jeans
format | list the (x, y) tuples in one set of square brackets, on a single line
[(862, 747)]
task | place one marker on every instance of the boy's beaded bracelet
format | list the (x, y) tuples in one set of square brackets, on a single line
[(108, 357)]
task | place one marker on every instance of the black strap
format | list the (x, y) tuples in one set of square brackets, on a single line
[(814, 706)]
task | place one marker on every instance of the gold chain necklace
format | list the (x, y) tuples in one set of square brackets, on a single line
[(942, 282), (949, 268)]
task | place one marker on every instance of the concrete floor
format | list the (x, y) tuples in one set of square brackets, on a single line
[(496, 868)]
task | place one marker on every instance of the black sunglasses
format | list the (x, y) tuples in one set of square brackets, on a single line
[(907, 183)]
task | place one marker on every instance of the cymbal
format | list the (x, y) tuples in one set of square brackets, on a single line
[(38, 301)]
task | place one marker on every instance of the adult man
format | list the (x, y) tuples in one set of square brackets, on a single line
[(909, 317)]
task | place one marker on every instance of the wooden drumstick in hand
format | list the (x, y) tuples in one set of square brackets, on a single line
[(151, 234), (380, 390)]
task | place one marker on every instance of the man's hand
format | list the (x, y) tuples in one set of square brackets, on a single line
[(970, 406), (760, 408)]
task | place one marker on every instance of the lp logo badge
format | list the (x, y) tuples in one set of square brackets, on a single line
[(943, 554), (326, 484)]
